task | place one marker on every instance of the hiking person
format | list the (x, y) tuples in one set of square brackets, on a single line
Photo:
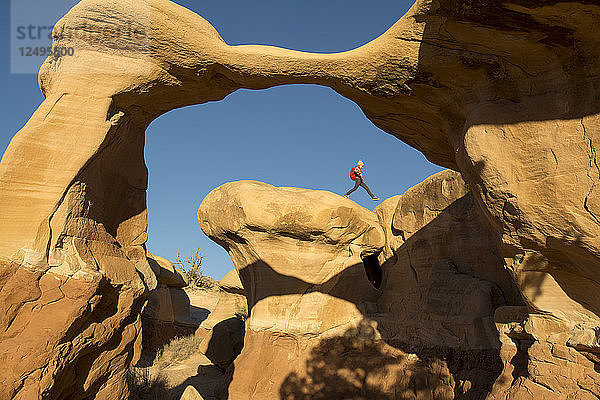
[(357, 176)]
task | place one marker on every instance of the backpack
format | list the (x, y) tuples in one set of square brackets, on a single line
[(352, 174)]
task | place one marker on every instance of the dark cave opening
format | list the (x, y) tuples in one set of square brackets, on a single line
[(373, 269)]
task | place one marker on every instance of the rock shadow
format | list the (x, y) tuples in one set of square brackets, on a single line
[(198, 314), (354, 366), (157, 334), (510, 87), (360, 365), (225, 344), (206, 382)]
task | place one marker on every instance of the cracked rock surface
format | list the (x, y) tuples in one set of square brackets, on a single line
[(504, 92)]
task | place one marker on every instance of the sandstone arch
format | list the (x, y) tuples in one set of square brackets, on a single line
[(505, 93)]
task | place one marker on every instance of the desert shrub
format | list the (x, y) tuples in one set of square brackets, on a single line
[(206, 282), (177, 350), (143, 386), (192, 268)]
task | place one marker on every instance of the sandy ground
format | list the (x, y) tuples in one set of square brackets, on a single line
[(197, 371)]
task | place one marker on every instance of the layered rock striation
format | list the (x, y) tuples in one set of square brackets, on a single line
[(505, 93), (446, 319), (300, 255)]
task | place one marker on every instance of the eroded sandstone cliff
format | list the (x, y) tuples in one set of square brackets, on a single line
[(504, 92), (301, 256), (446, 320)]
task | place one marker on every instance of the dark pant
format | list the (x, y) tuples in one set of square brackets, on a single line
[(359, 182)]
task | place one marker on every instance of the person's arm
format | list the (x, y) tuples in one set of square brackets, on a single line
[(358, 172)]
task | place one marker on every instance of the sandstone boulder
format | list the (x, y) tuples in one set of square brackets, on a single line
[(505, 92), (231, 283), (223, 329), (166, 273), (66, 336), (223, 339), (301, 258), (168, 302), (447, 321), (285, 241), (191, 393), (167, 314), (443, 272)]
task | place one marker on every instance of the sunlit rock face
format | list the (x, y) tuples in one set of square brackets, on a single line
[(333, 287), (446, 319), (308, 263), (299, 254), (504, 92), (62, 335)]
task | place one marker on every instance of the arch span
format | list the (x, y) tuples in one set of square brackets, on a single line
[(505, 93)]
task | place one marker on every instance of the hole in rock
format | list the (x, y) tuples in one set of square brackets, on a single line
[(373, 269), (303, 136)]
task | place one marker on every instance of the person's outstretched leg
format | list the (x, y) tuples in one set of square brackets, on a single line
[(356, 185), (364, 186)]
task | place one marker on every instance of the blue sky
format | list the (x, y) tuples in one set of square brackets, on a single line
[(300, 135)]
